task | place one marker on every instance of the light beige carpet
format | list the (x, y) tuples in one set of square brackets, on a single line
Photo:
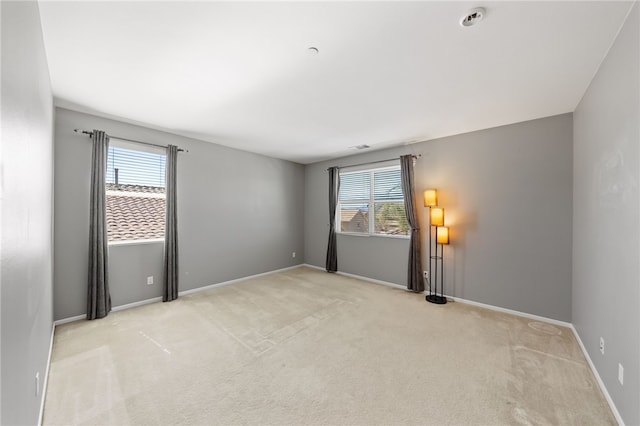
[(307, 347)]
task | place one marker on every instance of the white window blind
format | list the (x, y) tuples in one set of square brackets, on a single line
[(133, 167), (372, 202), (135, 184)]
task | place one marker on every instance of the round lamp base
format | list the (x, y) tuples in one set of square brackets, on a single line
[(438, 300)]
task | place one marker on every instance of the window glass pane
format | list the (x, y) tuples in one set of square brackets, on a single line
[(354, 218), (135, 201), (355, 186), (390, 219), (377, 191), (387, 184)]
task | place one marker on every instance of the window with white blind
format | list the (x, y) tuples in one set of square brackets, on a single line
[(371, 202), (135, 187)]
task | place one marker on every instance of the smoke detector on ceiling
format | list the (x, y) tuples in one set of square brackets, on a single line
[(472, 17)]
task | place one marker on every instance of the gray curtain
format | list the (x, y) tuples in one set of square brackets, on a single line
[(170, 288), (98, 297), (414, 276), (332, 247)]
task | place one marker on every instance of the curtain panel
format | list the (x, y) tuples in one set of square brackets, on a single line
[(332, 246), (414, 275), (98, 297), (170, 284)]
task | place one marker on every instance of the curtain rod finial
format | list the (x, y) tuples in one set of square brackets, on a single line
[(83, 132)]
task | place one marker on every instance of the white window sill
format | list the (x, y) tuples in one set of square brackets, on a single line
[(136, 242)]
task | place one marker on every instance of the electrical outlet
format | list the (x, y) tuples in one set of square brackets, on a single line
[(150, 280), (602, 345), (621, 374), (426, 275), (293, 254), (38, 383)]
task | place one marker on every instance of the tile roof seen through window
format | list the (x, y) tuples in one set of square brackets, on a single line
[(135, 212), (135, 188)]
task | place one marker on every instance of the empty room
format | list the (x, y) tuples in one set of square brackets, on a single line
[(320, 213)]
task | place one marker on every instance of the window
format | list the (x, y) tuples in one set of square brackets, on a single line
[(374, 190), (135, 183)]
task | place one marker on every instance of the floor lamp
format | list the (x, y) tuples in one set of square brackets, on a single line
[(430, 201), (436, 219), (442, 239)]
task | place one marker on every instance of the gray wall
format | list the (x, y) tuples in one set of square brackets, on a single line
[(239, 214), (27, 185), (606, 279), (507, 194)]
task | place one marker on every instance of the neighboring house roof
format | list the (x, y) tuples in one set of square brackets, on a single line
[(134, 217), (135, 188), (348, 214), (353, 221)]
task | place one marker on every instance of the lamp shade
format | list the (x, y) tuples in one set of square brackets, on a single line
[(442, 235), (437, 216), (430, 198)]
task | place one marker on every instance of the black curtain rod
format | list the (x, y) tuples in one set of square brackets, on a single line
[(128, 140), (374, 162)]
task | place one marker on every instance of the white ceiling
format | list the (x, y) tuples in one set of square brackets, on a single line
[(388, 73)]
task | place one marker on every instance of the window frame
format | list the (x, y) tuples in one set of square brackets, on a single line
[(370, 202)]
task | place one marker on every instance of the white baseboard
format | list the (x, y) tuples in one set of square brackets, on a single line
[(69, 319), (182, 293), (136, 304), (372, 280), (603, 388), (226, 283), (114, 309), (360, 277), (511, 311), (46, 376), (457, 299), (313, 266)]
